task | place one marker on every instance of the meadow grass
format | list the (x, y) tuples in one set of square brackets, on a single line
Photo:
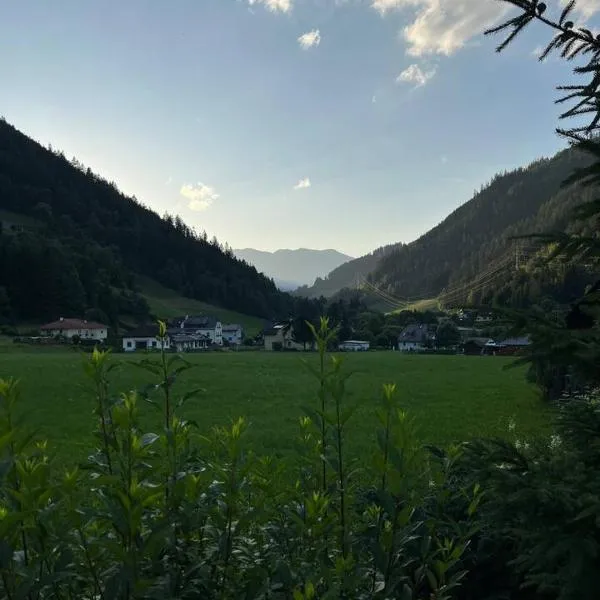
[(452, 398)]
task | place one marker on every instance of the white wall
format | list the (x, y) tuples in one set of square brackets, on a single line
[(85, 334), (133, 344)]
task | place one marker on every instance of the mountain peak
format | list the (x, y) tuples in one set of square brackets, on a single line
[(291, 268)]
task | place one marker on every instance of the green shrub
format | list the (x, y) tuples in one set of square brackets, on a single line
[(170, 514)]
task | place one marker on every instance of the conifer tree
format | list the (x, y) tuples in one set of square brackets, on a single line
[(564, 352)]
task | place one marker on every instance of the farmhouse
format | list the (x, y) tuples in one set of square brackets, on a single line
[(280, 337), (204, 326), (182, 342), (413, 338), (354, 346), (144, 338), (68, 328), (477, 346), (513, 345), (233, 334)]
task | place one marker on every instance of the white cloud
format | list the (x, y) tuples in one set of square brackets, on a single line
[(309, 39), (444, 159), (585, 8), (445, 26), (303, 184), (169, 181), (199, 196), (274, 5), (414, 74)]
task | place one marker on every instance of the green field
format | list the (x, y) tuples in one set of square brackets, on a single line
[(451, 397)]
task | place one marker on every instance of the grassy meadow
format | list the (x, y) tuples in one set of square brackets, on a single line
[(451, 397)]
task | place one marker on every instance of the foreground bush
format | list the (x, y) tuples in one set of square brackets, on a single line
[(172, 514)]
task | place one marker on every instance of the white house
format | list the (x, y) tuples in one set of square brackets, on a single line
[(233, 333), (68, 328), (280, 337), (208, 327), (413, 338), (354, 346), (145, 338)]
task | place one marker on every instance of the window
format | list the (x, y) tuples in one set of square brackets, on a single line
[(129, 344)]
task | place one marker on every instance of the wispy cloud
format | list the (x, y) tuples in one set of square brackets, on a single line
[(444, 159), (199, 196), (303, 184), (309, 39), (441, 26), (445, 26), (169, 180), (585, 8), (415, 75), (274, 5)]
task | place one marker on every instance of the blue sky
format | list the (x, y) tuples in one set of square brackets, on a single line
[(341, 124)]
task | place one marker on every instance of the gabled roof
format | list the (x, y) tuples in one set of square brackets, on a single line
[(516, 341), (232, 327), (196, 322), (414, 334), (72, 324)]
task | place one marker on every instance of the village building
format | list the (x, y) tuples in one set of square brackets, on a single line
[(354, 346), (477, 346), (281, 337), (414, 338), (513, 345), (233, 334), (182, 342), (145, 337), (203, 326), (69, 328)]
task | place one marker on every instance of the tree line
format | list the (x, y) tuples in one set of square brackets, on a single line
[(70, 242)]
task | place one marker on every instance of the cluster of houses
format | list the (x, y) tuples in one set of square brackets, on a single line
[(197, 333), (184, 334), (413, 338)]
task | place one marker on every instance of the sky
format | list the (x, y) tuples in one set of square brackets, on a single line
[(344, 124)]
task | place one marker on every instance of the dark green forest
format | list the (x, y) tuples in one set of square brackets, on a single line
[(475, 244), (71, 243)]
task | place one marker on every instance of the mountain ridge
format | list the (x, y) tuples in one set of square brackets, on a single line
[(525, 200), (89, 241), (293, 267)]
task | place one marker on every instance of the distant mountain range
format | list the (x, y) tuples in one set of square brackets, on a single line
[(293, 268), (472, 239)]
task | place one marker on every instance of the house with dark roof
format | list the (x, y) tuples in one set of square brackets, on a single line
[(145, 337), (477, 346), (513, 345), (206, 326), (69, 328), (414, 338)]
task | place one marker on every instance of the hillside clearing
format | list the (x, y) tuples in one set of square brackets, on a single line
[(166, 304)]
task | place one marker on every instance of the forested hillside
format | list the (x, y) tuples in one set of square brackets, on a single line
[(479, 233), (345, 275), (474, 237), (71, 244)]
